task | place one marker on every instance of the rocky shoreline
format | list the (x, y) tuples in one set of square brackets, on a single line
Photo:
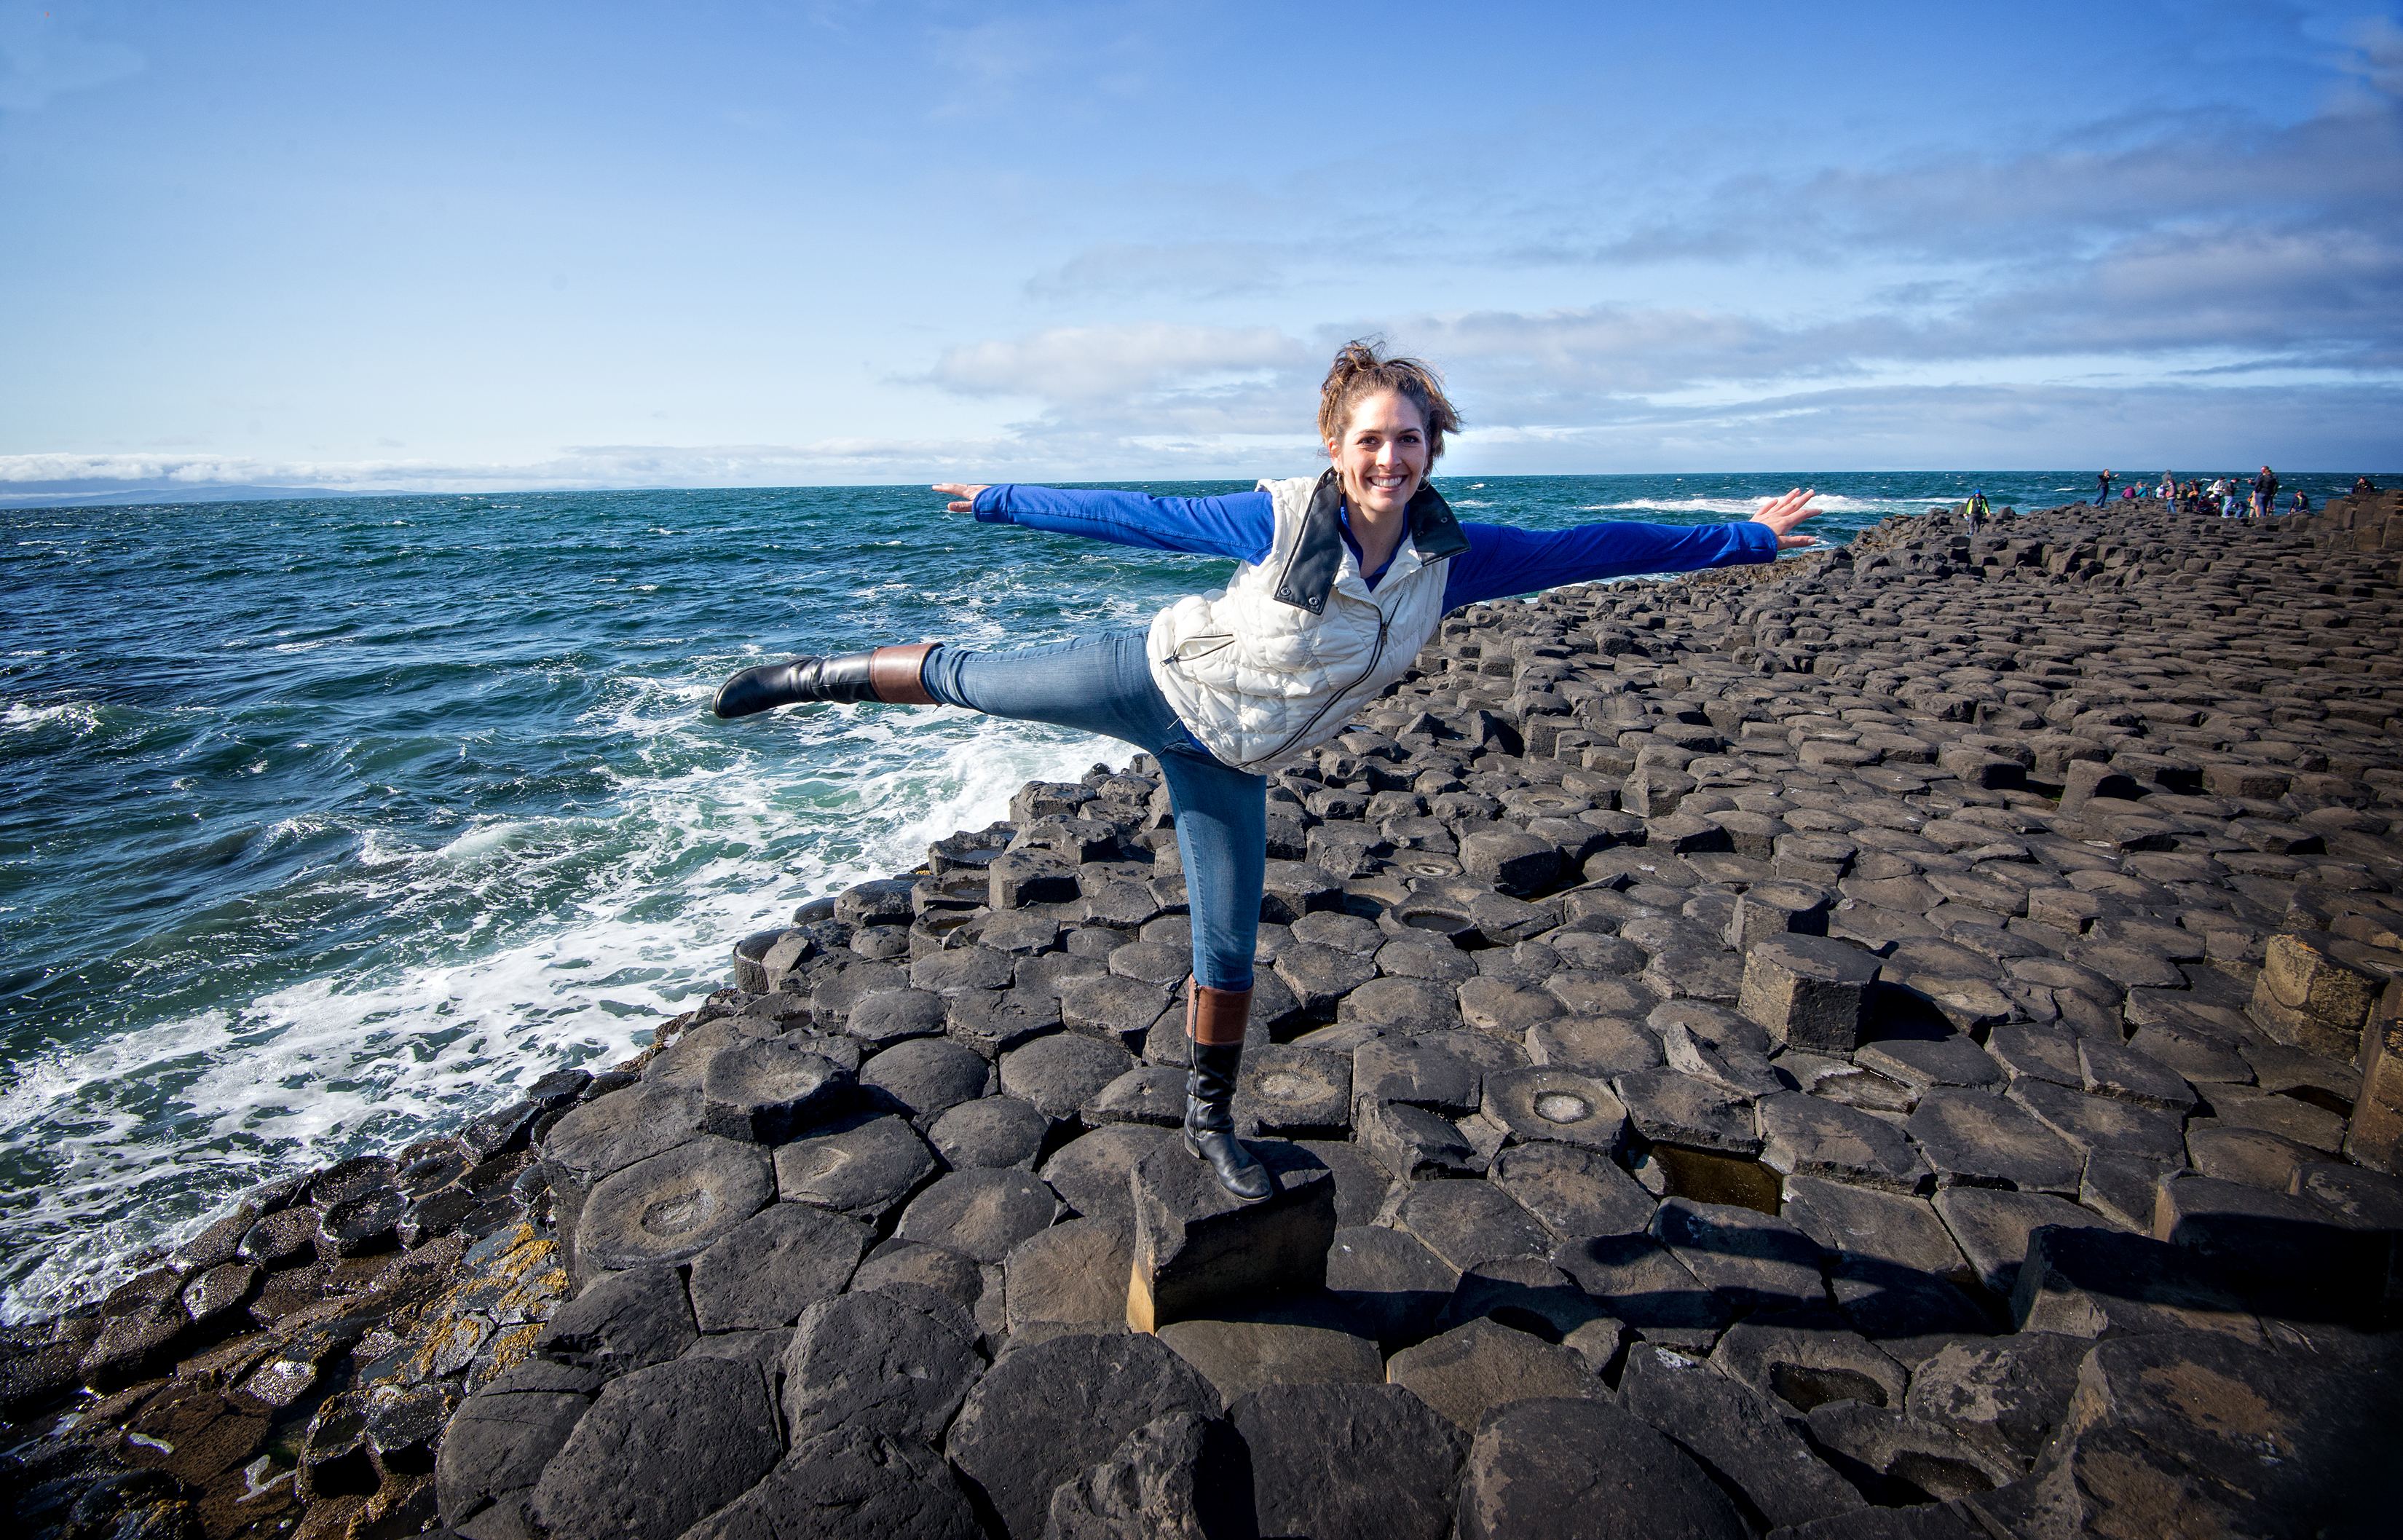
[(1902, 1042)]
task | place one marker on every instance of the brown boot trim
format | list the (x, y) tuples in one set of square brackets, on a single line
[(1217, 1017), (893, 673)]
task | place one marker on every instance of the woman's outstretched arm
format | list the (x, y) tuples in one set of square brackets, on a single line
[(1241, 525), (1502, 561)]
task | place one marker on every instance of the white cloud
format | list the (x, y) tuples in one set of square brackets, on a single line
[(1099, 363)]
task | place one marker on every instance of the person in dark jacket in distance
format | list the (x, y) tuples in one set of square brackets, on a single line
[(1341, 578)]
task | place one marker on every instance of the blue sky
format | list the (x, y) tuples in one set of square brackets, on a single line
[(454, 247)]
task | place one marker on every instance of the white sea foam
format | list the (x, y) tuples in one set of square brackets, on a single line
[(1823, 503)]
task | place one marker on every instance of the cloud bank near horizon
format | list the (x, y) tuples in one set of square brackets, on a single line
[(2195, 272)]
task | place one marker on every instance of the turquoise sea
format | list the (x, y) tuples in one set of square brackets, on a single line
[(325, 821)]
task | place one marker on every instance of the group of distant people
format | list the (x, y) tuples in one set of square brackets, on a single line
[(2227, 497)]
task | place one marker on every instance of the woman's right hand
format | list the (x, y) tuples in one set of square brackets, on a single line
[(963, 495)]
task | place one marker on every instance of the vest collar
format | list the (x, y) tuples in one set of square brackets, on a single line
[(1316, 559)]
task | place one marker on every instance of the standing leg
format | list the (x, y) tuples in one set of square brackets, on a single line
[(1222, 834)]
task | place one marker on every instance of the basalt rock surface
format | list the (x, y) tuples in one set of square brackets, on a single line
[(1904, 1040)]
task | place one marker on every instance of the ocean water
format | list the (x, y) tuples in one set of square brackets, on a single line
[(324, 823)]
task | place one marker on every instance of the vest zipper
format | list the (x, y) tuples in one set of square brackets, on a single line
[(1375, 653)]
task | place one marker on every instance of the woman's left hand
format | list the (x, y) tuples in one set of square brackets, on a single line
[(1784, 513)]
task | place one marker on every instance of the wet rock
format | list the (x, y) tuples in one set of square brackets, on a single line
[(895, 1361), (1046, 1413), (659, 1449), (773, 1266), (863, 1169), (1350, 1462), (851, 1482), (1547, 1468), (979, 1213), (285, 1239), (671, 1206), (136, 1345), (1738, 1434), (1196, 1245), (993, 1132)]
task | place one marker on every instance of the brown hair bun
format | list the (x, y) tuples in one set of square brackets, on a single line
[(1359, 373)]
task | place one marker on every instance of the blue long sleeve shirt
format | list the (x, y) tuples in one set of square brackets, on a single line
[(1500, 560)]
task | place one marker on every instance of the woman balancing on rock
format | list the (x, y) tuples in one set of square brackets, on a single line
[(1341, 578)]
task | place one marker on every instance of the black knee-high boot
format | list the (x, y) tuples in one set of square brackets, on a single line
[(890, 674), (1210, 1088)]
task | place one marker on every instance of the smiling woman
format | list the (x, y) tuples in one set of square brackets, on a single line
[(1344, 577)]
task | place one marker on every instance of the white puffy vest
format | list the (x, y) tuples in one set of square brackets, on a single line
[(1277, 662)]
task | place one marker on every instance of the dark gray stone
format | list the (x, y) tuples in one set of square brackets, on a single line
[(1930, 1063), (628, 1321), (1570, 1469), (897, 1016), (1640, 1282), (1973, 1139), (1525, 1294), (1466, 1222), (1183, 1477), (1756, 1261), (661, 1449), (1149, 1093), (496, 1445), (773, 1266), (1556, 1105), (849, 1483), (884, 1361), (1278, 1339), (926, 1077), (2008, 1393), (864, 1170), (1070, 1278), (1468, 1371), (1670, 1108), (1603, 1047), (1059, 1074), (1992, 1228), (1293, 1092), (979, 1213), (1048, 1413), (1391, 1281), (1090, 1174), (767, 1090), (1808, 992), (1197, 1245), (1738, 1435), (1423, 1074), (1410, 1142), (991, 1131), (957, 1278), (1807, 1358), (671, 1206), (1812, 1136), (2102, 1124), (1864, 1222), (1350, 1462), (1574, 1190)]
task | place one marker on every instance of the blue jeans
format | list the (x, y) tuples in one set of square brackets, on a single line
[(1102, 685)]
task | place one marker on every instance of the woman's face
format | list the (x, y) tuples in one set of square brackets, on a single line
[(1384, 455)]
